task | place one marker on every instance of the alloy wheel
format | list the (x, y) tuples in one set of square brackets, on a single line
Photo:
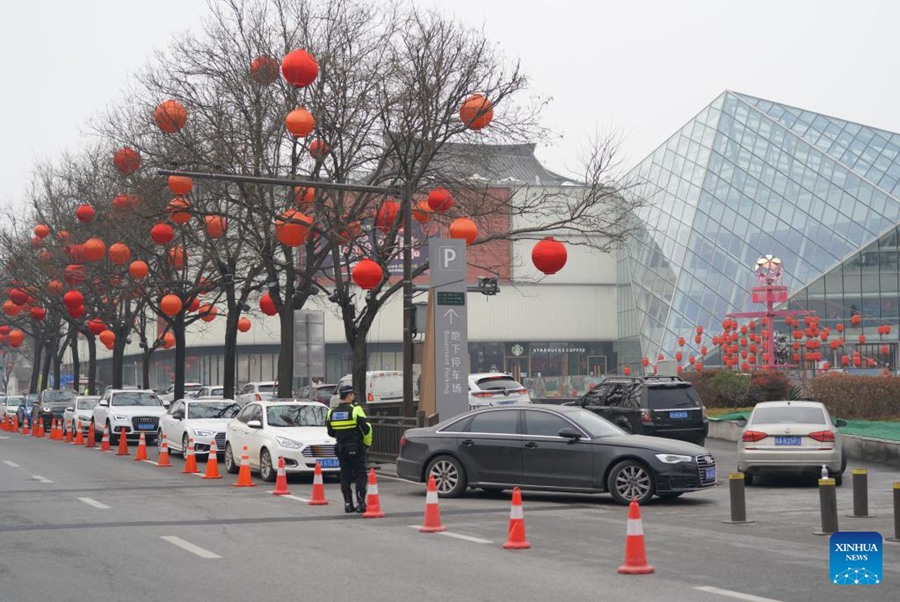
[(445, 475), (633, 482)]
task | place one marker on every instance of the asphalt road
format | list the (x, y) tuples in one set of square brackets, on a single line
[(75, 521)]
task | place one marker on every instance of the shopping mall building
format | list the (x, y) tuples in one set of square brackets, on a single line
[(743, 178)]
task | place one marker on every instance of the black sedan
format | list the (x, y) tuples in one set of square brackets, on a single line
[(552, 448)]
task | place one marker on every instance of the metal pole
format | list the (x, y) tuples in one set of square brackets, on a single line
[(860, 493), (408, 404), (828, 507), (736, 491), (896, 512)]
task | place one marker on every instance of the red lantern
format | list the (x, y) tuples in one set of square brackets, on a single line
[(94, 249), (195, 304), (745, 367), (176, 256), (85, 213), (440, 200), (42, 231), (691, 359), (292, 228), (18, 296), (264, 70), (699, 330), (170, 116), (834, 344), (119, 253), (168, 340), (96, 326), (16, 338), (73, 299), (4, 330), (76, 312), (267, 305), (703, 350), (660, 357), (885, 350), (138, 269), (38, 313), (678, 356), (862, 339), (367, 274), (170, 305), (318, 149), (244, 324), (699, 338), (681, 341), (177, 209), (871, 363), (855, 319), (679, 369), (299, 68), (422, 212), (127, 160), (304, 196), (627, 371), (698, 367), (55, 287), (108, 338), (476, 112), (387, 214), (857, 361), (121, 202), (216, 225), (840, 327), (162, 234), (549, 256), (645, 362), (464, 228), (752, 359), (845, 360), (208, 313), (180, 185), (826, 367), (300, 123)]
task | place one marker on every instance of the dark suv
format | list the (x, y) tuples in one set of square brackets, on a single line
[(51, 404), (666, 406)]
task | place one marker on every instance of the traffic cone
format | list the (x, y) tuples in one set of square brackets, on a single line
[(212, 461), (190, 458), (16, 423), (37, 430), (432, 523), (79, 437), (373, 502), (3, 423), (318, 494), (53, 436), (70, 434), (244, 479), (141, 454), (515, 539), (25, 429), (281, 487), (163, 460), (92, 436), (123, 443), (635, 555), (104, 443)]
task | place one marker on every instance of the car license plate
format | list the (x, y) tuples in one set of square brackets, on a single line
[(677, 415), (146, 426), (505, 403), (710, 474), (330, 463), (787, 440)]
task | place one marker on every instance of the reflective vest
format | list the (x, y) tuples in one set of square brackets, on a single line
[(345, 417)]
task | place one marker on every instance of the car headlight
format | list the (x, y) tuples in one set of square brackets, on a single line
[(202, 433), (120, 417), (288, 443), (673, 458), (45, 410)]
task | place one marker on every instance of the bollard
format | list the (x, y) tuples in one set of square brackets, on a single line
[(828, 507), (738, 502), (860, 494), (896, 536)]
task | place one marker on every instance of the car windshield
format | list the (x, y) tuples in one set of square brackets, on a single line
[(296, 415), (269, 388), (51, 396), (217, 391), (593, 424), (135, 398), (501, 383), (86, 404), (788, 415), (680, 396), (225, 409)]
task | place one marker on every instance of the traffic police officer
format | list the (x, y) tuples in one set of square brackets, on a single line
[(347, 423)]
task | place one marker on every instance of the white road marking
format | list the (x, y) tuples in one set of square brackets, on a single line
[(43, 480), (296, 497), (186, 545), (3, 437), (736, 595), (11, 464), (151, 462), (458, 536), (94, 503)]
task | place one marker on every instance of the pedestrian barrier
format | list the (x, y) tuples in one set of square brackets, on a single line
[(212, 461), (635, 553), (515, 538), (244, 479), (373, 501), (281, 487), (91, 438), (318, 490), (828, 507), (141, 453), (737, 492), (432, 522), (163, 460), (79, 436), (860, 494), (104, 444), (123, 443)]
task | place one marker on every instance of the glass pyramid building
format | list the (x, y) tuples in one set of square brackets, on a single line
[(748, 177)]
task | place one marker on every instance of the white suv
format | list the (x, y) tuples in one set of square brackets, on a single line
[(495, 389), (259, 391), (135, 411)]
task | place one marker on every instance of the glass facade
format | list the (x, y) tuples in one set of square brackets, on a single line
[(748, 177)]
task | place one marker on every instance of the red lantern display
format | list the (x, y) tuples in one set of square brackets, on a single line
[(122, 202), (55, 287), (681, 341), (176, 256), (94, 249), (85, 213), (162, 234), (108, 338), (549, 256), (76, 312), (440, 200), (42, 231), (16, 337), (855, 319), (299, 68), (387, 214), (73, 299), (264, 70), (627, 371), (678, 356), (119, 253), (267, 305), (840, 327), (464, 228), (38, 313), (300, 123), (422, 212), (168, 340), (318, 149), (304, 195), (208, 313), (170, 305), (367, 274), (862, 339), (177, 209), (885, 350), (170, 116), (292, 228), (244, 324), (216, 225), (127, 160), (476, 112), (138, 269), (96, 326), (180, 185), (645, 361)]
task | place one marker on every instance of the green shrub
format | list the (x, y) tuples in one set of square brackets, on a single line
[(769, 386), (863, 397), (729, 389)]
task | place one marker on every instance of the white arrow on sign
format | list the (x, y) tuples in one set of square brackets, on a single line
[(451, 314)]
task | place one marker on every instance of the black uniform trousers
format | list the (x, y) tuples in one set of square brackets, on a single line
[(353, 467)]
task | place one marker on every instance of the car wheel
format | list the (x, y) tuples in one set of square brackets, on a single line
[(838, 480), (266, 471), (230, 466), (449, 476), (670, 495), (113, 439), (185, 443), (630, 480), (748, 478), (159, 441)]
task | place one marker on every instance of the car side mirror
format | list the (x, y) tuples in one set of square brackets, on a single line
[(104, 403), (840, 423), (741, 422), (569, 433), (178, 415), (70, 409), (255, 424)]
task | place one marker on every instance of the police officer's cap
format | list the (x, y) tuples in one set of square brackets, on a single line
[(345, 390)]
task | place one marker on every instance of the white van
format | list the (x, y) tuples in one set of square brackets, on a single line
[(381, 386)]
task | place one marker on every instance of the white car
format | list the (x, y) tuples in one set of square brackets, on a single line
[(790, 437), (292, 429), (257, 391), (204, 420), (495, 389), (81, 410), (136, 411), (169, 396), (210, 391), (11, 406), (382, 386)]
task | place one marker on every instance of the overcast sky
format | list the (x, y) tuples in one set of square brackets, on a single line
[(641, 69)]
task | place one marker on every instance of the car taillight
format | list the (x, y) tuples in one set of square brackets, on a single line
[(521, 391), (646, 416), (402, 441), (371, 397), (822, 436), (752, 436), (704, 414), (486, 394), (258, 397)]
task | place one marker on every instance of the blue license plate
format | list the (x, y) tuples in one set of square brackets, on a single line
[(787, 440), (678, 415), (146, 427), (710, 474), (329, 463)]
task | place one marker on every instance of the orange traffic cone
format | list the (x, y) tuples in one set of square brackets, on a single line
[(79, 436), (432, 523), (281, 487), (54, 435), (515, 540), (635, 555), (16, 423), (318, 494), (163, 460), (3, 422), (190, 458), (70, 433), (92, 436), (25, 429), (123, 443), (104, 443), (373, 502), (212, 461), (244, 479), (141, 454), (37, 429)]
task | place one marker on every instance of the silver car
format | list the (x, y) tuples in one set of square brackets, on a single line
[(791, 437)]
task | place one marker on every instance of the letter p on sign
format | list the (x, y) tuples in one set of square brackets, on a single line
[(448, 256)]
